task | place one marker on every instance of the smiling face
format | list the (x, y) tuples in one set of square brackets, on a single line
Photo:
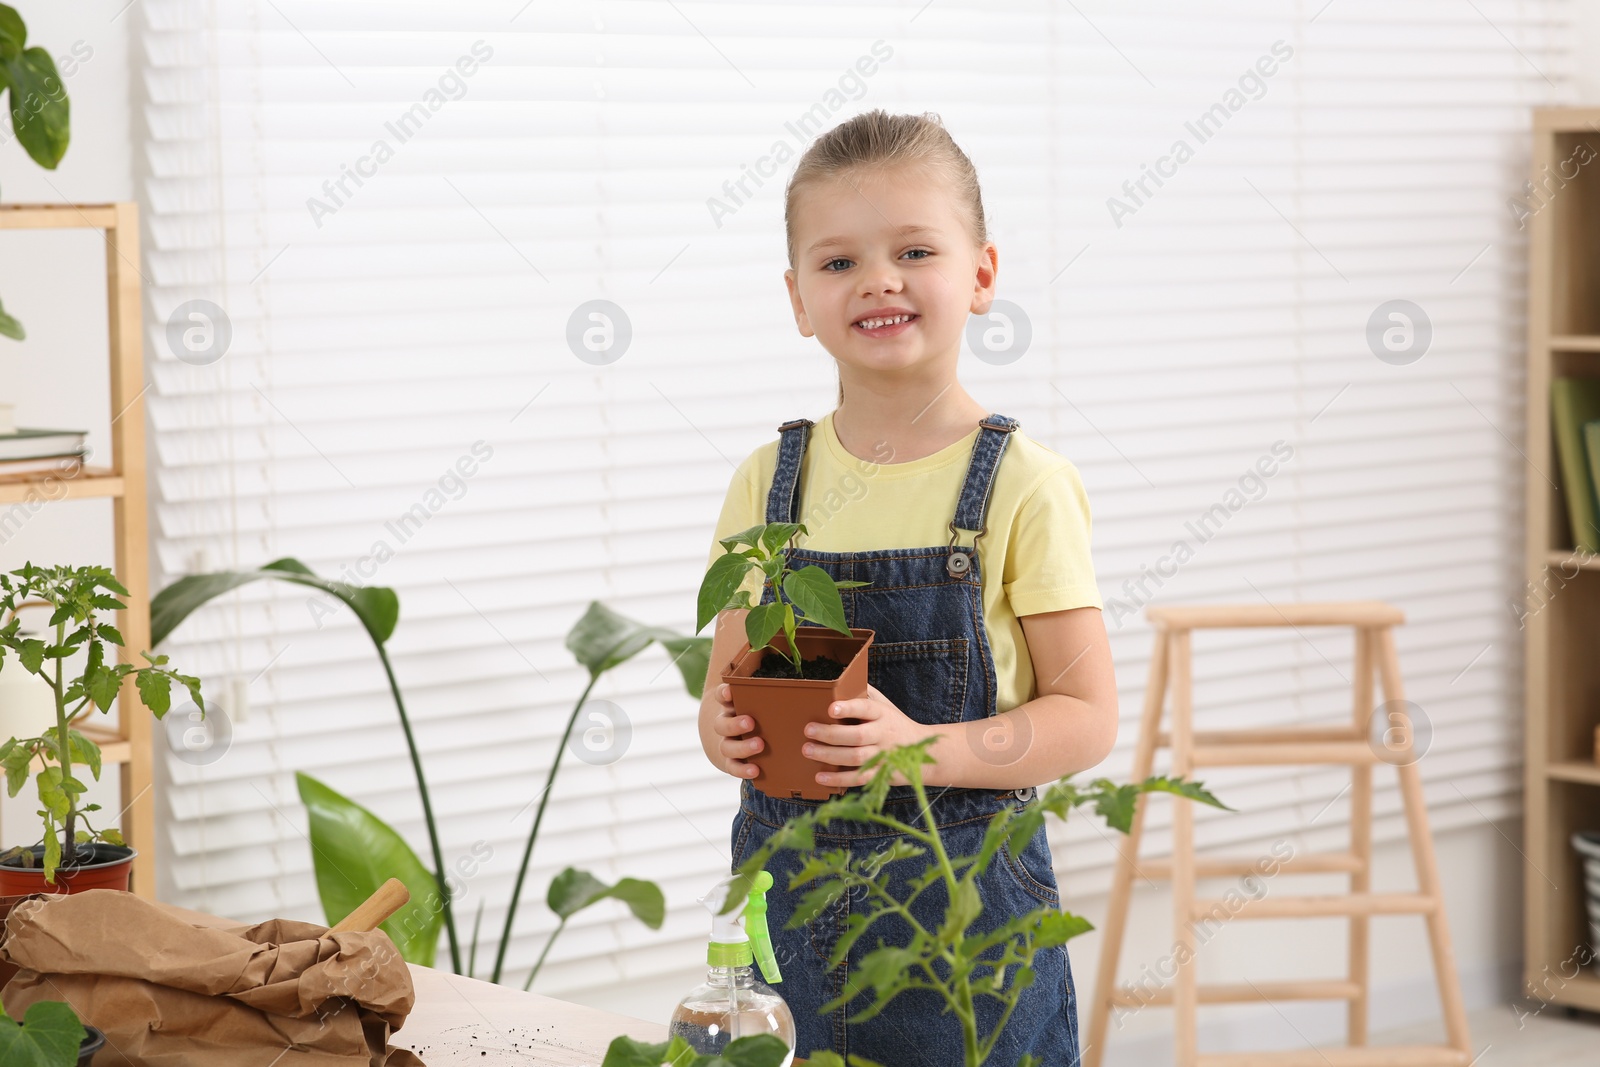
[(886, 272)]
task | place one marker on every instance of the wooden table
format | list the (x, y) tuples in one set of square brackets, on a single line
[(459, 1020)]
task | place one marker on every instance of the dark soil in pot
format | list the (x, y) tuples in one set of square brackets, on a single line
[(823, 668)]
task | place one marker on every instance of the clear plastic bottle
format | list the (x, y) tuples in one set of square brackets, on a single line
[(732, 1002)]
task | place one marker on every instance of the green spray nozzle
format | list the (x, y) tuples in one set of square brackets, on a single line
[(741, 935)]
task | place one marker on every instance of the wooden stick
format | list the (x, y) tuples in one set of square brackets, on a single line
[(389, 898), (1185, 994), (1144, 755), (1360, 968), (1416, 805)]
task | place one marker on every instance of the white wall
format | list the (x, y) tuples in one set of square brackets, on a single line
[(54, 282)]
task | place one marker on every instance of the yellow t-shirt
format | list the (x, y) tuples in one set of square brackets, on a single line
[(1038, 517)]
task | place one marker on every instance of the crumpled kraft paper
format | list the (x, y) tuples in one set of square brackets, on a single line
[(171, 994)]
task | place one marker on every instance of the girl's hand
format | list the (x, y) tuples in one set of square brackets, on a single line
[(883, 727), (729, 724)]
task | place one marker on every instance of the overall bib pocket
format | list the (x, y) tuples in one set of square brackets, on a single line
[(925, 679)]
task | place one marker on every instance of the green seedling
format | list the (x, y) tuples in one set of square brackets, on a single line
[(806, 595)]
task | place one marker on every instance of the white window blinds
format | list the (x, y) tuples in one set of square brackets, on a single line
[(405, 209)]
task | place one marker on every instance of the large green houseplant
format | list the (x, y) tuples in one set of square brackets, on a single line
[(79, 599), (945, 959), (37, 101), (354, 851)]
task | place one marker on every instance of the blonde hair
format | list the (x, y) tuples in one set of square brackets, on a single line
[(878, 140)]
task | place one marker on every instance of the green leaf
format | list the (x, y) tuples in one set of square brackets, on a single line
[(9, 326), (103, 685), (50, 1033), (186, 595), (813, 592), (16, 763), (1116, 806), (52, 850), (1116, 803), (112, 836), (964, 909), (777, 534), (106, 580), (377, 607), (192, 684), (40, 110), (626, 1052), (13, 34), (692, 655), (51, 793), (602, 638), (109, 633), (353, 853), (829, 1058), (751, 537), (573, 890), (155, 689), (757, 1050), (764, 621), (1178, 787), (31, 654), (723, 579)]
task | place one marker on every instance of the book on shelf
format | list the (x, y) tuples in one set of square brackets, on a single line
[(42, 444), (1574, 402), (68, 464), (1591, 453)]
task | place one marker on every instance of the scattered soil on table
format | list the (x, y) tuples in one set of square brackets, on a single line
[(498, 1044), (777, 665)]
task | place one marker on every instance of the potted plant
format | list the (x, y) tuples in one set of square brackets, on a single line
[(40, 113), (787, 675), (962, 966), (73, 855), (353, 850), (49, 1035)]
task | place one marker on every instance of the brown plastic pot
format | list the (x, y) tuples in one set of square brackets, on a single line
[(106, 868), (781, 707)]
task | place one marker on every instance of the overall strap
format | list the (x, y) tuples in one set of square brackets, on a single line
[(783, 500), (973, 506)]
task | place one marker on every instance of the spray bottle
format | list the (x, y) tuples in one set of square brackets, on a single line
[(732, 1002)]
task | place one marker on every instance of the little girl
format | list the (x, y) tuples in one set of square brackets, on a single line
[(974, 540)]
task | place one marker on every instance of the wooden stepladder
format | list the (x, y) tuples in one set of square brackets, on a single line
[(1194, 750)]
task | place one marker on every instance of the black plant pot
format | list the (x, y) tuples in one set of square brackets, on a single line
[(93, 1042)]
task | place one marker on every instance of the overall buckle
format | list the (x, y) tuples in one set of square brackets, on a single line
[(958, 563)]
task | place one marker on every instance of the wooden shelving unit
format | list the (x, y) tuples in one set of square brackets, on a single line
[(123, 483), (1562, 625)]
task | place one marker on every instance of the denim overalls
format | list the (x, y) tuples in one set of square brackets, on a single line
[(931, 657)]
